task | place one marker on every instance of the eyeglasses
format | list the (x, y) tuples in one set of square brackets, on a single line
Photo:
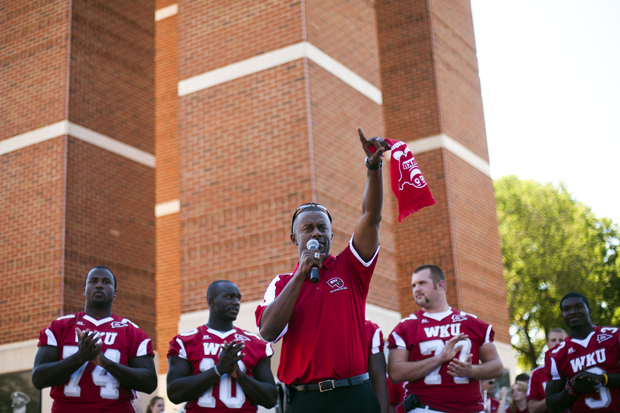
[(309, 205)]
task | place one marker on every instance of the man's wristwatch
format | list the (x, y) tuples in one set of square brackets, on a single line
[(570, 390), (374, 167)]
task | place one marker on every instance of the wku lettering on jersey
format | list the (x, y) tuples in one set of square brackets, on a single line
[(599, 353), (424, 335), (588, 360), (449, 330), (212, 349), (201, 347), (91, 388)]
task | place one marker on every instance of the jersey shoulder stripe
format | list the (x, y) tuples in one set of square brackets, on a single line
[(64, 317), (189, 333), (128, 321), (463, 313), (411, 317)]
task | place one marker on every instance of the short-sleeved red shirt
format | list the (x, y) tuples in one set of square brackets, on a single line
[(374, 337), (537, 384), (397, 392), (424, 335), (325, 337), (598, 353), (91, 388), (493, 405), (202, 347)]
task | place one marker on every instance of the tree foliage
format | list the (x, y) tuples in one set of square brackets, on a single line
[(551, 245)]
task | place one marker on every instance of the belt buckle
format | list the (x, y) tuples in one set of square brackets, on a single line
[(321, 389)]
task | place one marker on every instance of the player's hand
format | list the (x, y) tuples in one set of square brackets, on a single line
[(309, 260), (458, 368), (89, 344), (449, 351), (584, 381), (379, 144), (229, 356)]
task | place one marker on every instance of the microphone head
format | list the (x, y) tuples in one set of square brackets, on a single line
[(312, 244)]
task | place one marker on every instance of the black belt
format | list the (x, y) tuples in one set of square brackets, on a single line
[(328, 385)]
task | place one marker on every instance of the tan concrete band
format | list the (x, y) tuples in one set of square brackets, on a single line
[(276, 58), (65, 127)]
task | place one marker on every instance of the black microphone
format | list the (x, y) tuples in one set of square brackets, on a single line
[(314, 273)]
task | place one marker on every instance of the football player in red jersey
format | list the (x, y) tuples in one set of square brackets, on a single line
[(437, 350), (536, 402), (584, 369), (218, 367), (376, 364), (493, 405), (94, 359)]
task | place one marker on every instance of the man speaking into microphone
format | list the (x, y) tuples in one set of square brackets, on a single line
[(323, 360)]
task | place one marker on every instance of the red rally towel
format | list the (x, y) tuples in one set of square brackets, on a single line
[(408, 184)]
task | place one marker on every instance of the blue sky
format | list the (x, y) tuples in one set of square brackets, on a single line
[(550, 74)]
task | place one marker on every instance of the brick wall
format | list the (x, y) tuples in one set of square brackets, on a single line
[(431, 86), (33, 64), (31, 199), (248, 155), (75, 205)]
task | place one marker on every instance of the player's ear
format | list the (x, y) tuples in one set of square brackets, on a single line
[(293, 238), (442, 285)]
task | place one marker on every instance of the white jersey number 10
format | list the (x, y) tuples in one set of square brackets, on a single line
[(226, 397)]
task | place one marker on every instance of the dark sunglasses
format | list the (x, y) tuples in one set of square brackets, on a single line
[(308, 205)]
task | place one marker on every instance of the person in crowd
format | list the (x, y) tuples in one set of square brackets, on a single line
[(584, 369), (518, 404), (94, 360), (536, 402), (437, 351), (156, 405), (320, 314), (220, 367), (491, 404)]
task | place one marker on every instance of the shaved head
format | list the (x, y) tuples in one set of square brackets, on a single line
[(214, 288)]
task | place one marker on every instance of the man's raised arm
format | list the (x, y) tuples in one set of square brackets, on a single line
[(366, 236)]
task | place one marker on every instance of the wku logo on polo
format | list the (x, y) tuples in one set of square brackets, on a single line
[(602, 337), (408, 166), (588, 360), (336, 284)]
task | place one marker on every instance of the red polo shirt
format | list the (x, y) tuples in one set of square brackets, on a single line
[(325, 337)]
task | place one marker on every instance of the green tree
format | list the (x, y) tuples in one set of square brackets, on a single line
[(551, 245)]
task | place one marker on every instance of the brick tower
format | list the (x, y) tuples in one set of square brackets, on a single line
[(254, 107), (77, 163)]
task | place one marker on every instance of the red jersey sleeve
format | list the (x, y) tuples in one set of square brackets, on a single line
[(399, 338), (536, 385), (141, 344), (374, 337), (50, 335), (484, 331), (176, 347)]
